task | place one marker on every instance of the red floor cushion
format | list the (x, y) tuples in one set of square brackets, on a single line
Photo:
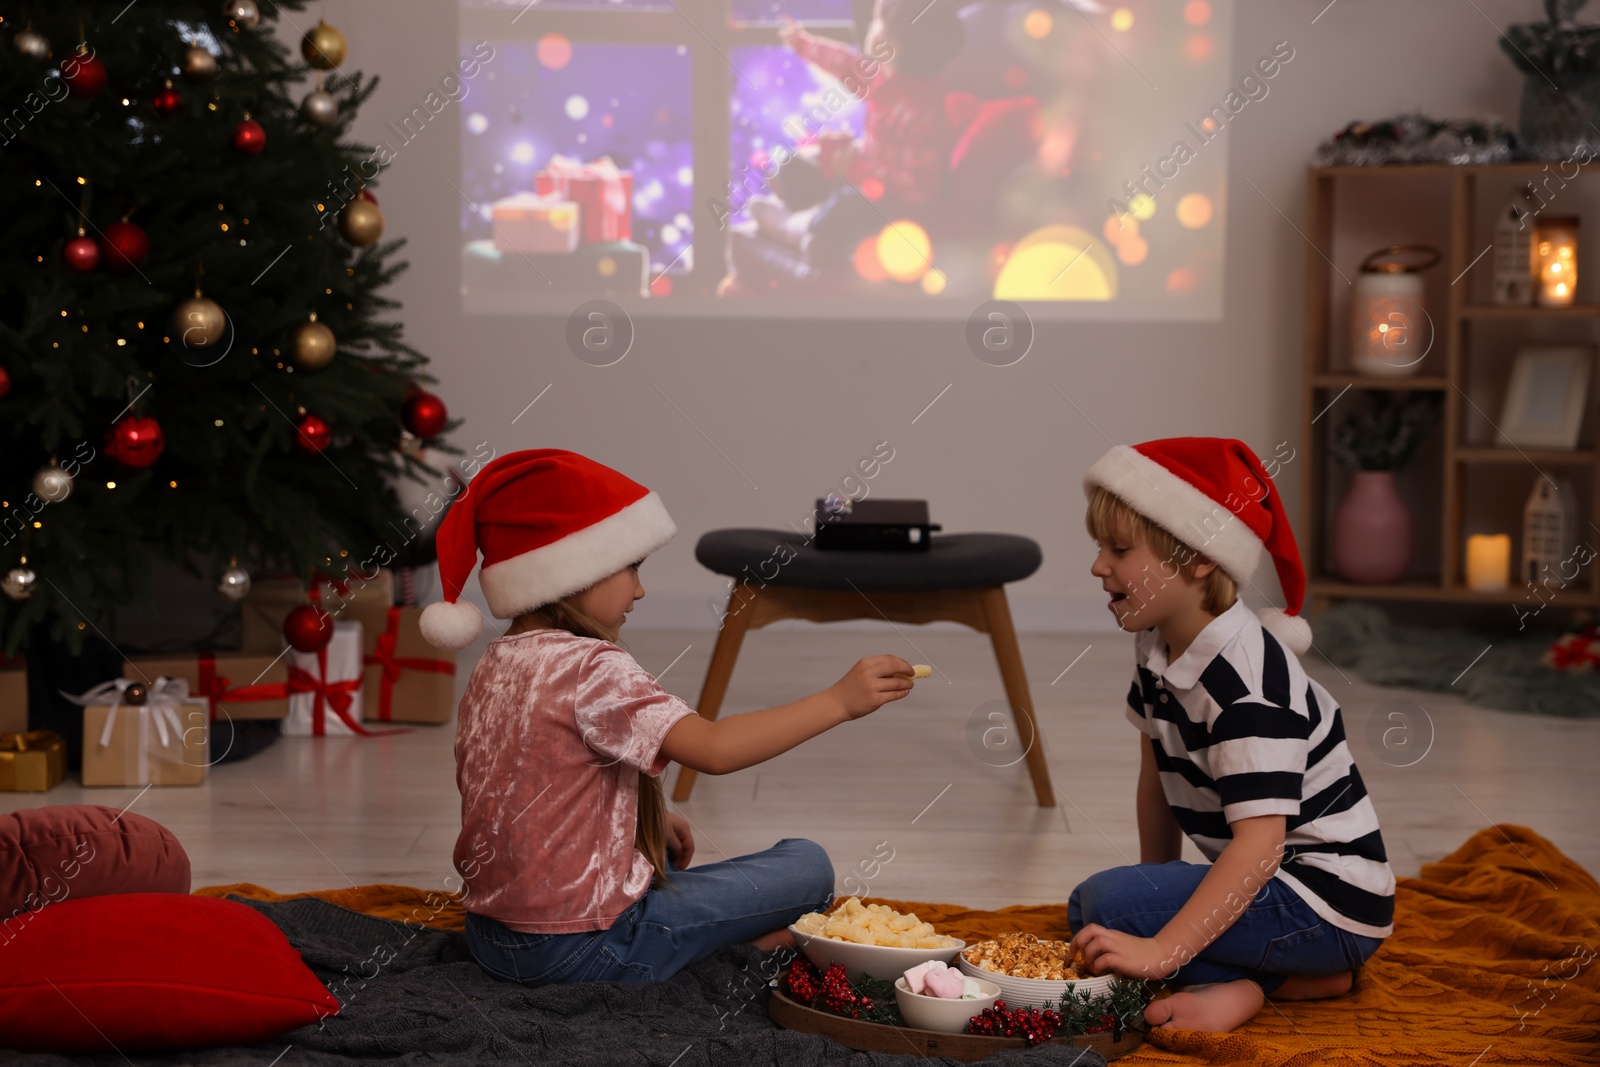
[(150, 972), (63, 851)]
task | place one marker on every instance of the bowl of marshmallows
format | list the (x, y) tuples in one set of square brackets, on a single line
[(936, 996)]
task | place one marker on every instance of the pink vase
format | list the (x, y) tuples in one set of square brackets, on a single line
[(1371, 531)]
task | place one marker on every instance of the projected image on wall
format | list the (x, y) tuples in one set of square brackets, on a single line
[(853, 154)]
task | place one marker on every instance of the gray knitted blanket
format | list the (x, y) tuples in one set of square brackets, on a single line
[(431, 1004)]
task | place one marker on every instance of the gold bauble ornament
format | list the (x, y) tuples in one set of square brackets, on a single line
[(361, 223), (323, 46), (198, 63), (312, 344), (198, 322), (244, 14)]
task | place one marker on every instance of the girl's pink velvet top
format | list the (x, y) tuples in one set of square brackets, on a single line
[(552, 731)]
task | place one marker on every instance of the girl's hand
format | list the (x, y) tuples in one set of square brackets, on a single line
[(1114, 952), (871, 684), (680, 842)]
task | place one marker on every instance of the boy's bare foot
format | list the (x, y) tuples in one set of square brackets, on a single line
[(1301, 987), (1216, 1008), (774, 941)]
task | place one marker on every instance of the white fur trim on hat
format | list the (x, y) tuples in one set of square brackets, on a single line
[(1205, 525), (1292, 630), (578, 560), (450, 624)]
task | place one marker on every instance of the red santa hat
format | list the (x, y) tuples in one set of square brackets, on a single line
[(549, 523), (1213, 495)]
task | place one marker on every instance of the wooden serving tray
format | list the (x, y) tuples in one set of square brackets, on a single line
[(876, 1037)]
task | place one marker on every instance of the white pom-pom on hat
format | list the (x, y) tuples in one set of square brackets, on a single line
[(1292, 630), (451, 624)]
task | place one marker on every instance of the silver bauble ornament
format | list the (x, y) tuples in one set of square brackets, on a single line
[(51, 483), (198, 63), (242, 13), (235, 583), (19, 583), (320, 107), (32, 43)]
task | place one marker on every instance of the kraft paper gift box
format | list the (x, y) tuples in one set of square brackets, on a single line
[(530, 223), (271, 599), (32, 762), (164, 741), (325, 687), (235, 685), (13, 696), (407, 679)]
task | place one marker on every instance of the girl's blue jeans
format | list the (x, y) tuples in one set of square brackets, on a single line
[(667, 929), (1276, 936)]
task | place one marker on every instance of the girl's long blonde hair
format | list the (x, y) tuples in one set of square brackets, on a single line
[(650, 832)]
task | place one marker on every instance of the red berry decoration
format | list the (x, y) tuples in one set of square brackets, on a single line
[(1032, 1025), (167, 102), (308, 628), (81, 254), (424, 414), (802, 982), (124, 244), (314, 434), (249, 137), (84, 74), (135, 441)]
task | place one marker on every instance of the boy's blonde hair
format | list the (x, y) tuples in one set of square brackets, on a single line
[(650, 829), (1110, 517)]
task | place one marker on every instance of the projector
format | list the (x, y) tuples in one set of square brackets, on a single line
[(873, 525)]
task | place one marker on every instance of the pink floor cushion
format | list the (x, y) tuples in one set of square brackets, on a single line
[(72, 851)]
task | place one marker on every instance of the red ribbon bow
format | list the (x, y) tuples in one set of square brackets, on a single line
[(1575, 650), (336, 695), (218, 688), (392, 665)]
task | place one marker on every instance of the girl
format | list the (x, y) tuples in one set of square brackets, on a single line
[(573, 868)]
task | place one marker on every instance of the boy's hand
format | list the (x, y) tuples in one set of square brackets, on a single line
[(871, 684), (1110, 951), (680, 842)]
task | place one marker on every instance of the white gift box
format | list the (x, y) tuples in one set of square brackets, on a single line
[(325, 687), (530, 223)]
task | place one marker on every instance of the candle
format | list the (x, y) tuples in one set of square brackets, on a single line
[(1556, 261), (1489, 562)]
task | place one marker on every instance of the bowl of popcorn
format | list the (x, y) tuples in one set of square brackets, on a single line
[(1030, 972), (935, 996), (871, 940)]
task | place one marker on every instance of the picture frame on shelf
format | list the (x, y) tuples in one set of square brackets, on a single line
[(1547, 398)]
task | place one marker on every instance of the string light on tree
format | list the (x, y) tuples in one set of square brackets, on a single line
[(312, 345), (323, 46)]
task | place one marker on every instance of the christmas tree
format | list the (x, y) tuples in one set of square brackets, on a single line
[(196, 364)]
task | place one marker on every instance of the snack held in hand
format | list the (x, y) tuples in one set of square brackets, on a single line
[(873, 924), (919, 670)]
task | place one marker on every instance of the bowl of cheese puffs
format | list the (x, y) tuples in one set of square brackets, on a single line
[(871, 940)]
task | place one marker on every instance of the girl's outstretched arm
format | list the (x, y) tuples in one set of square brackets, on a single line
[(741, 741)]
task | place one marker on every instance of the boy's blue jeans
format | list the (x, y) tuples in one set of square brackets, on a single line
[(1277, 936), (667, 929)]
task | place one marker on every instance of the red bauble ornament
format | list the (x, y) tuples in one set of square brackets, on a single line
[(81, 254), (5, 382), (135, 441), (84, 74), (368, 196), (167, 102), (308, 628), (124, 244), (249, 137), (424, 414), (314, 434)]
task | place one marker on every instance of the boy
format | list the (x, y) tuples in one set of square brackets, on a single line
[(1242, 752)]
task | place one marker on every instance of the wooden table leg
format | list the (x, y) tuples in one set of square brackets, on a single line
[(734, 625), (1004, 638)]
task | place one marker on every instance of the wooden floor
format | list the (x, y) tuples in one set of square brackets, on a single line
[(917, 777)]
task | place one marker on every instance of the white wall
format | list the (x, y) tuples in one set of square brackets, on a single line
[(793, 404)]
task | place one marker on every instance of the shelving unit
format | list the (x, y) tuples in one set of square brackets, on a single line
[(1467, 479)]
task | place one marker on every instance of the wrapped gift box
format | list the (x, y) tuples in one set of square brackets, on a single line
[(165, 741), (407, 679), (603, 193), (32, 762), (236, 685), (325, 687), (532, 224), (271, 599), (13, 696)]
